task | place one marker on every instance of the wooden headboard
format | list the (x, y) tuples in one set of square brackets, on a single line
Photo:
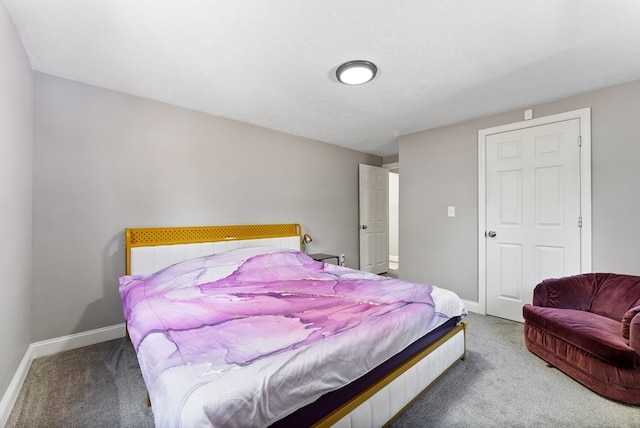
[(150, 249)]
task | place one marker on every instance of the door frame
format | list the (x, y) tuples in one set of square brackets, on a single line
[(584, 117)]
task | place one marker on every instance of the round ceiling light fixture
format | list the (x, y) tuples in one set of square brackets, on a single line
[(356, 72)]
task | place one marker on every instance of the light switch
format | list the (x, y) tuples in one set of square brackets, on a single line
[(451, 211)]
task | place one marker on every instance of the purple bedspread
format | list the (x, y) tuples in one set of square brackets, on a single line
[(248, 336)]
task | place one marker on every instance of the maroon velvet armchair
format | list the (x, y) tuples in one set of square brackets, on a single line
[(588, 326)]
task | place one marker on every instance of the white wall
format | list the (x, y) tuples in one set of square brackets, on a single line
[(440, 168), (16, 148), (105, 161)]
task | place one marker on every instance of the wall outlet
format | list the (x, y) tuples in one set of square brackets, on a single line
[(342, 259)]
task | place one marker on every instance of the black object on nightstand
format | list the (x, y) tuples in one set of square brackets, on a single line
[(322, 257)]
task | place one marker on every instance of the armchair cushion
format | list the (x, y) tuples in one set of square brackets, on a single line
[(594, 334)]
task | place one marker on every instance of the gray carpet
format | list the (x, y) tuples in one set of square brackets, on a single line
[(500, 384), (95, 386)]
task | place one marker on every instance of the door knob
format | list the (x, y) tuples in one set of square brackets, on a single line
[(491, 234), (364, 226)]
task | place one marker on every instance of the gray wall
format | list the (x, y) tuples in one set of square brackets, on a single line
[(104, 161), (16, 149), (440, 168)]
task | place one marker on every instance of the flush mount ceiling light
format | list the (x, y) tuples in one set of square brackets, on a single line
[(356, 72)]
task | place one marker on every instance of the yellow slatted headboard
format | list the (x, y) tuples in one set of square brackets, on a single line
[(148, 237)]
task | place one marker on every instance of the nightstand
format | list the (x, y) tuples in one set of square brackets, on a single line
[(322, 257)]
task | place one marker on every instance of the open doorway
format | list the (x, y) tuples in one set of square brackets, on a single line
[(394, 204), (394, 187)]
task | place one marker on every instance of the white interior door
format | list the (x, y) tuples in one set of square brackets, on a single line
[(374, 219), (533, 212)]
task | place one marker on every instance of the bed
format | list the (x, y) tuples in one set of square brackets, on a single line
[(235, 326)]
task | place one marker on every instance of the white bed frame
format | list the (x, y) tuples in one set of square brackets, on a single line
[(151, 249)]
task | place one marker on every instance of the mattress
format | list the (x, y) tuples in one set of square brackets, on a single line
[(254, 334)]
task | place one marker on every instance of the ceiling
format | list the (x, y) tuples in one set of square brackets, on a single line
[(272, 63)]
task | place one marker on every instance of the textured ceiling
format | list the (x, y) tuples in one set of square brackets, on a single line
[(272, 63)]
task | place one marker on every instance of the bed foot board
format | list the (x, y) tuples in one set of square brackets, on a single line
[(384, 401)]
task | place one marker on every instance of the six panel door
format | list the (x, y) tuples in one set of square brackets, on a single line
[(533, 212)]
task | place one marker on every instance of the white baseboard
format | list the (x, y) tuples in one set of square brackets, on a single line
[(394, 258), (50, 347), (77, 340), (473, 307), (11, 395)]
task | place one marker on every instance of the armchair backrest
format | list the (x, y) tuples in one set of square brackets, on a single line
[(615, 294), (569, 292)]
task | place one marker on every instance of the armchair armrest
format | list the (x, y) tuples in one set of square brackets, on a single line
[(571, 292), (634, 329)]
